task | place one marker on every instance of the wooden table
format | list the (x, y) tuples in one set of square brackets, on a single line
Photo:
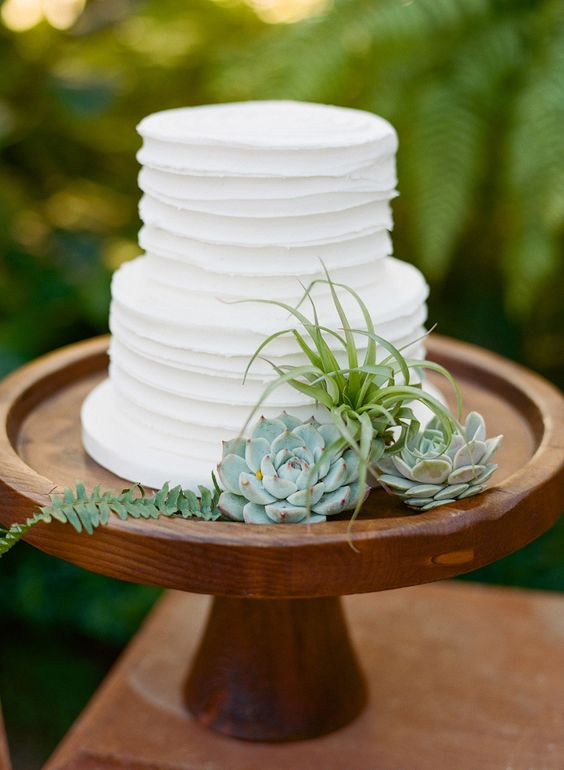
[(275, 662), (4, 753), (462, 676)]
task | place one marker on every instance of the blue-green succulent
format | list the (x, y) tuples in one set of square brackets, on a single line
[(430, 471), (288, 471)]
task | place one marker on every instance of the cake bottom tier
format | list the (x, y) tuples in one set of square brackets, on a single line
[(114, 441)]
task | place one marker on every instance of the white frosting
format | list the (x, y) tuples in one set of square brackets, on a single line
[(394, 289), (243, 201), (378, 177), (281, 260), (161, 350), (282, 125), (265, 138), (266, 231)]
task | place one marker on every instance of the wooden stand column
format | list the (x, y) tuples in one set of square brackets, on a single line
[(275, 670)]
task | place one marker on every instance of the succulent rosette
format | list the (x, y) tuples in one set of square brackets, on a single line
[(288, 471), (431, 471)]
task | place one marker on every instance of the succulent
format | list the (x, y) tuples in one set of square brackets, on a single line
[(288, 471), (429, 471)]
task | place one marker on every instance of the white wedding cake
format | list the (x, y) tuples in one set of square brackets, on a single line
[(241, 201)]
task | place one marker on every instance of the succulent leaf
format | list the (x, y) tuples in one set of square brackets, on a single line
[(333, 502), (289, 471), (231, 506), (436, 503), (279, 487), (305, 454), (486, 474), (268, 429), (474, 490), (307, 478), (289, 420), (403, 468), (336, 476), (255, 450), (253, 490), (357, 490), (283, 511), (433, 471), (471, 454), (287, 440), (255, 514), (443, 471), (300, 497), (234, 447), (352, 461), (329, 432), (396, 483), (229, 470), (323, 459), (464, 474), (451, 490), (310, 436), (423, 490), (475, 427), (267, 466), (492, 445)]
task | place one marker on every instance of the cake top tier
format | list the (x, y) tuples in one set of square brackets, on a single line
[(285, 125)]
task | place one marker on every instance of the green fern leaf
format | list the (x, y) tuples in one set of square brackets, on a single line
[(440, 166), (534, 174), (9, 537), (86, 512)]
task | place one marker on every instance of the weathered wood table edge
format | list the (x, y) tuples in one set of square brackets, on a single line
[(463, 676)]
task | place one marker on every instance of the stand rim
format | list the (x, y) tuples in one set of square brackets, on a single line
[(451, 531)]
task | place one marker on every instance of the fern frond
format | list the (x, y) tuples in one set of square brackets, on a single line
[(440, 166), (313, 60), (534, 175), (86, 512)]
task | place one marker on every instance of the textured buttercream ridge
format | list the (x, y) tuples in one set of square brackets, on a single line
[(157, 263), (267, 230), (192, 381), (192, 159), (212, 355), (376, 177), (271, 124), (266, 259), (189, 310), (272, 208), (229, 285)]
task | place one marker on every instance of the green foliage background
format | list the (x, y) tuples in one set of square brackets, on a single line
[(476, 91)]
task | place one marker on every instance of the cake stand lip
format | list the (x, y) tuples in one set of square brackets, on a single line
[(21, 390)]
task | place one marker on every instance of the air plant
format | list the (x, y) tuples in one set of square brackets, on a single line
[(368, 402)]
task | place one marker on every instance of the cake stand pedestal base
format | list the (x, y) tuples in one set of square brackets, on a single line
[(275, 670)]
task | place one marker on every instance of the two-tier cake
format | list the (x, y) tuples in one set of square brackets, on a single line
[(241, 201)]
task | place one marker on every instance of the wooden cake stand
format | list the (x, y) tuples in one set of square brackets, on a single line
[(275, 662)]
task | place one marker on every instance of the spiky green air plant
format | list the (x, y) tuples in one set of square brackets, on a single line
[(431, 470), (368, 402), (289, 471)]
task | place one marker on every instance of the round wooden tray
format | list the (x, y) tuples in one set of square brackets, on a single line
[(40, 450), (275, 662)]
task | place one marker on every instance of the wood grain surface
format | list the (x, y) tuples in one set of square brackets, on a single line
[(461, 676), (40, 450), (4, 753), (275, 670)]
